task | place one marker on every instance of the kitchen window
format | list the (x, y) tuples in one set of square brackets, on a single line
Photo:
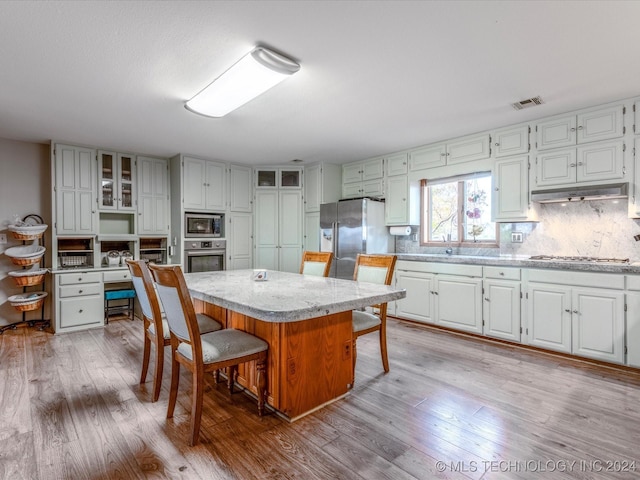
[(457, 211)]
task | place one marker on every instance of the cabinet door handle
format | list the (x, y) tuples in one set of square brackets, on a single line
[(497, 144), (572, 129), (580, 163), (486, 299), (576, 311), (580, 127), (79, 291), (80, 311), (567, 310), (80, 279), (572, 164)]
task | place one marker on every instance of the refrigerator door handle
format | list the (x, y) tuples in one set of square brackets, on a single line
[(334, 247)]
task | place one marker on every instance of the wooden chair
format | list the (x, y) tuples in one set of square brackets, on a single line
[(316, 263), (154, 321), (373, 269), (203, 353)]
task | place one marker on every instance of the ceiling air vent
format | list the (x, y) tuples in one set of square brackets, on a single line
[(529, 102)]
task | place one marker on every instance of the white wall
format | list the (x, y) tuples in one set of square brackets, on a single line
[(25, 188)]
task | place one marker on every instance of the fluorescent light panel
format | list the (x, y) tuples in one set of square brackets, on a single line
[(254, 74)]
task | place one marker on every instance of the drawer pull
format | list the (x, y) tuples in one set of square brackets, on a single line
[(80, 311), (501, 273), (80, 279), (79, 291)]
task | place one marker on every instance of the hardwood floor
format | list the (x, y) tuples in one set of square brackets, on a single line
[(71, 408)]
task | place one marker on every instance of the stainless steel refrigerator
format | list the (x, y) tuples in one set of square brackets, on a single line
[(350, 227)]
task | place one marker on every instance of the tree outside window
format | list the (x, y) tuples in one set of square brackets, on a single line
[(458, 211)]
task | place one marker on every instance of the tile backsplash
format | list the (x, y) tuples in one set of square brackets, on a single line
[(596, 228)]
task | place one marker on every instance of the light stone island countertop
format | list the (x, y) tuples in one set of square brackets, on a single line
[(523, 262), (286, 297)]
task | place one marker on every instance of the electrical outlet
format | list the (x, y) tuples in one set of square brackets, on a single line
[(516, 237), (3, 238)]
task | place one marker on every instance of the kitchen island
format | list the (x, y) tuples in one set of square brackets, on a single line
[(306, 320)]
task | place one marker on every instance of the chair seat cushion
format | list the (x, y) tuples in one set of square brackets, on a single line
[(225, 344), (364, 320), (205, 323)]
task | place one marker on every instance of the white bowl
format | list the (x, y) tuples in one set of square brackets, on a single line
[(25, 251)]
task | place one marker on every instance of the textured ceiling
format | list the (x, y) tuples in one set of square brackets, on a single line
[(376, 77)]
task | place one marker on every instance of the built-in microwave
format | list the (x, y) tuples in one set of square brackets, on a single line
[(203, 225)]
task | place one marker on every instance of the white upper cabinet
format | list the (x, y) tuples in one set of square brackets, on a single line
[(240, 194), (321, 185), (117, 176), (288, 178), (588, 163), (428, 157), (511, 141), (511, 190), (204, 184), (75, 190), (592, 126), (362, 179), (466, 149), (397, 164)]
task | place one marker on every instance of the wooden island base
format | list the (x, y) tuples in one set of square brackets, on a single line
[(310, 361)]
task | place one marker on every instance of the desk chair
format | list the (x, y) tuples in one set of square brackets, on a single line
[(154, 321), (316, 263), (373, 269), (203, 353)]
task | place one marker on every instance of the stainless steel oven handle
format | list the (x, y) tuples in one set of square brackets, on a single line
[(200, 253)]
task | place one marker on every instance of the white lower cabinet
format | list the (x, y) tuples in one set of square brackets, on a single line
[(501, 303), (444, 294), (598, 324), (560, 310), (633, 324), (549, 316), (79, 301), (568, 313), (239, 241), (418, 304), (459, 302)]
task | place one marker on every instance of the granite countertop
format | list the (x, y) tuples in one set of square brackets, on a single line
[(286, 297), (523, 262)]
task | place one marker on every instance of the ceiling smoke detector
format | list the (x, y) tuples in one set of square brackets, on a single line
[(527, 103)]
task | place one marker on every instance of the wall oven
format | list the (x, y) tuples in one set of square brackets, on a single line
[(204, 255), (203, 225)]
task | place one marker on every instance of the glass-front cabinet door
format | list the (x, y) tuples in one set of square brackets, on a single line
[(107, 187), (117, 180), (125, 179)]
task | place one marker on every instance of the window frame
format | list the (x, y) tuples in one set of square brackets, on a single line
[(425, 216)]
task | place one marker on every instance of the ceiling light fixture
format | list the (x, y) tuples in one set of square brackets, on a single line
[(252, 75)]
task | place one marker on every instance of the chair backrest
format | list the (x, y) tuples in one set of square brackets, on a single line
[(178, 307), (316, 263), (374, 268), (146, 292)]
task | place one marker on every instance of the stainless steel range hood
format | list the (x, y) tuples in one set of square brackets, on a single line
[(575, 194)]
